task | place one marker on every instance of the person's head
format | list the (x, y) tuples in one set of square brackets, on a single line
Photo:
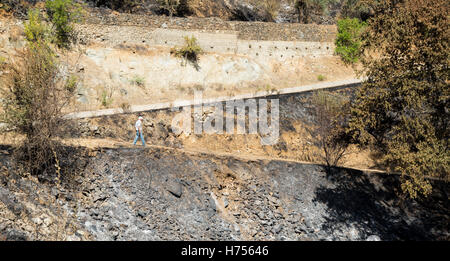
[(141, 118)]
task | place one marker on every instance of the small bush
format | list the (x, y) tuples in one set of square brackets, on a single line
[(348, 41), (35, 29), (71, 83), (2, 61), (138, 80), (62, 14), (5, 6), (126, 107), (106, 98), (320, 77), (190, 51)]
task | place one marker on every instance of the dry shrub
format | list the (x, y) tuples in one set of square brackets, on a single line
[(126, 107), (33, 103), (270, 8), (309, 8), (330, 130), (171, 6)]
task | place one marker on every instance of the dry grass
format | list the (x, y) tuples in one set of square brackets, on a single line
[(271, 8), (16, 34)]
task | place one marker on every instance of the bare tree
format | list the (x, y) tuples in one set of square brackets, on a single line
[(330, 128)]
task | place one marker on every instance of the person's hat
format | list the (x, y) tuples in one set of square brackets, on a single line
[(140, 117)]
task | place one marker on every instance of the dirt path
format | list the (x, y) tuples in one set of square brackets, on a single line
[(98, 144)]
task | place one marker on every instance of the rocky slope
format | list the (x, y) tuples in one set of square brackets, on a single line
[(156, 194), (241, 10)]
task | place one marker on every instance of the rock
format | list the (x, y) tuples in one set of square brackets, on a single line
[(73, 238), (160, 131), (11, 202), (47, 221), (273, 200), (308, 223), (37, 220), (54, 192), (94, 128), (299, 229), (141, 213), (353, 234), (373, 238), (277, 228), (212, 203), (14, 235), (175, 188), (261, 215), (225, 202), (79, 233), (82, 95)]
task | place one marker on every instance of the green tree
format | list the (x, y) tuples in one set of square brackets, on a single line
[(348, 40), (62, 14), (403, 106)]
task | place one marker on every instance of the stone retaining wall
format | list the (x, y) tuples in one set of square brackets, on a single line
[(225, 42), (245, 30)]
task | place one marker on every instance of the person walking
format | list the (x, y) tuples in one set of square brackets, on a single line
[(139, 133)]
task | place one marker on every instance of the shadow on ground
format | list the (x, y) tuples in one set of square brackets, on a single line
[(373, 204)]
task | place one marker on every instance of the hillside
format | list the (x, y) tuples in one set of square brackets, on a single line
[(160, 194), (255, 128), (283, 11), (127, 57), (280, 11)]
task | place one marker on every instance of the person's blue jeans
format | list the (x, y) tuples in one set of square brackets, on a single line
[(138, 133)]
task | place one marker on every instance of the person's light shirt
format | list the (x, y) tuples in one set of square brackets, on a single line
[(138, 125)]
